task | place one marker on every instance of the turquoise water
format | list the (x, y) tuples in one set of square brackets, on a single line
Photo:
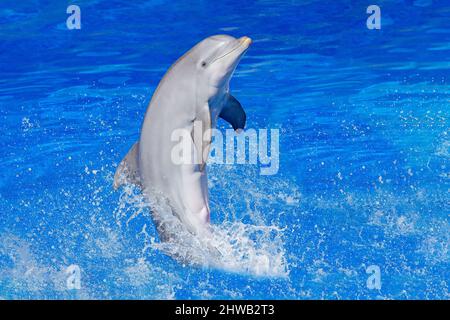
[(364, 150)]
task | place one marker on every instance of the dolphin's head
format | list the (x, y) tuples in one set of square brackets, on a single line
[(216, 58)]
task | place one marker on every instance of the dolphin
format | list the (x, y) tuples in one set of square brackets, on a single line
[(195, 89)]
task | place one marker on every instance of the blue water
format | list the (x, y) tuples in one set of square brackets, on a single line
[(364, 149)]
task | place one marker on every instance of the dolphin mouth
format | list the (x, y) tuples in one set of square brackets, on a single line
[(243, 42)]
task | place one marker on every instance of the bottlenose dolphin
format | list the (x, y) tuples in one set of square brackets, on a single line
[(195, 89)]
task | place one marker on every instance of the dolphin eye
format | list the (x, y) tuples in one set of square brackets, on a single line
[(203, 64)]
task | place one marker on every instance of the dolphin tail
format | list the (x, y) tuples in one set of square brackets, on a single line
[(128, 169)]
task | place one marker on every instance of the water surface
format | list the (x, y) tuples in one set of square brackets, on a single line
[(364, 149)]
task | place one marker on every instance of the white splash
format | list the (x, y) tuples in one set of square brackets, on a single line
[(232, 246)]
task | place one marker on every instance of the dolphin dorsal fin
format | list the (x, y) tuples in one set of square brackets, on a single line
[(233, 113), (128, 169)]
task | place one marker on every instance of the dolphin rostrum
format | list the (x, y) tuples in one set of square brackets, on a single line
[(195, 89)]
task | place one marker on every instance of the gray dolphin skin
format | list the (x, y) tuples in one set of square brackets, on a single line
[(195, 89)]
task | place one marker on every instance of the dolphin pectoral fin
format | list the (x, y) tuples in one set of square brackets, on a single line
[(233, 113), (128, 169), (201, 136), (201, 149)]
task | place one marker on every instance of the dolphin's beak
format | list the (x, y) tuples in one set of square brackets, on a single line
[(246, 41)]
